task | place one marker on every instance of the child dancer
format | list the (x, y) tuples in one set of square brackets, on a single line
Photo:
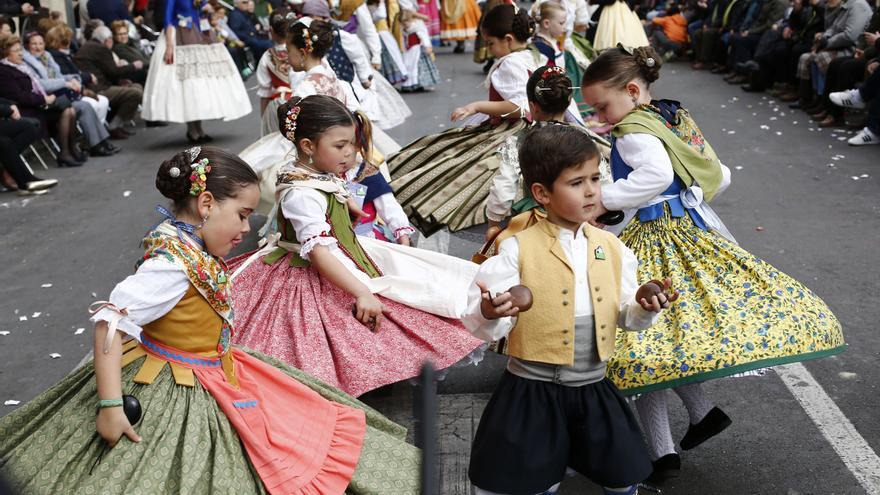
[(214, 417), (393, 67), (273, 72), (310, 302), (444, 179), (739, 313), (458, 22), (619, 24), (418, 55), (549, 91), (554, 408)]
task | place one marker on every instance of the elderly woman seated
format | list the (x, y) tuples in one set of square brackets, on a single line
[(127, 50), (50, 77), (18, 84)]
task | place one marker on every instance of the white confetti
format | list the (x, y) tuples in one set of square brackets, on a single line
[(22, 318), (94, 295), (731, 132), (794, 122), (738, 167), (842, 138), (835, 158), (830, 165), (46, 286), (782, 114), (126, 194), (846, 375), (11, 402), (749, 106), (864, 176), (54, 355), (811, 129), (772, 118), (754, 114), (79, 331), (735, 98), (4, 332), (778, 133), (854, 177), (723, 106), (36, 315), (765, 127)]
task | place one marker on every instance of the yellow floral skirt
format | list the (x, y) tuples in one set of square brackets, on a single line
[(736, 312)]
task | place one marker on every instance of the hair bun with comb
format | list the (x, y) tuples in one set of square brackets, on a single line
[(649, 62)]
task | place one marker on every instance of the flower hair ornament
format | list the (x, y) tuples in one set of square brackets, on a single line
[(650, 62), (199, 176), (308, 39), (290, 123), (545, 76)]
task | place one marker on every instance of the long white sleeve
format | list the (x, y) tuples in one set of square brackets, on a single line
[(147, 295), (264, 79), (652, 173), (505, 183), (307, 211), (357, 55), (390, 211), (510, 76), (368, 31), (499, 273)]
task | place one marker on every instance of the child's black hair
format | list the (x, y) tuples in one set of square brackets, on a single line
[(279, 21), (508, 19), (550, 88), (317, 113), (548, 150), (228, 174), (320, 37)]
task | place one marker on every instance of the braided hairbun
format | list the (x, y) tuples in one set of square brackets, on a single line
[(175, 188), (649, 63), (523, 27)]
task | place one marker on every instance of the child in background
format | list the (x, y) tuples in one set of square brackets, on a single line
[(554, 408), (273, 72), (418, 55)]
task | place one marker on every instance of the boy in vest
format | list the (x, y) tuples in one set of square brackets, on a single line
[(553, 408)]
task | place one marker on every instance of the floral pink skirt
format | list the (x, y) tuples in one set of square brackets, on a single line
[(294, 315)]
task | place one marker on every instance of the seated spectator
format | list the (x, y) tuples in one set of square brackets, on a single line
[(847, 72), (19, 8), (127, 50), (49, 75), (16, 134), (18, 84), (7, 25), (248, 29), (108, 11), (234, 46), (668, 33), (96, 57), (844, 22), (868, 94), (744, 44), (706, 41)]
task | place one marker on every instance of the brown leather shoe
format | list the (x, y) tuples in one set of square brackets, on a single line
[(789, 97), (819, 117), (828, 121)]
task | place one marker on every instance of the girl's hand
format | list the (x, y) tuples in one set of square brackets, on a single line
[(355, 211), (462, 112), (492, 231), (404, 240), (169, 54), (368, 310), (598, 211), (112, 424), (496, 307), (654, 297)]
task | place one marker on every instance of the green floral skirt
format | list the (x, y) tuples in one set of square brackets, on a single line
[(444, 179), (736, 313), (188, 446)]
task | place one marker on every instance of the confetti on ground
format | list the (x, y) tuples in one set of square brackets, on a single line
[(79, 331), (765, 126), (772, 118), (759, 229), (12, 402), (54, 355), (855, 177), (811, 129), (864, 176), (846, 375), (738, 167), (795, 122), (22, 318), (4, 332), (36, 315), (126, 194), (731, 132), (830, 165), (778, 133), (94, 295), (723, 106), (835, 158), (46, 286), (842, 138)]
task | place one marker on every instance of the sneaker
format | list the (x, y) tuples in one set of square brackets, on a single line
[(41, 184), (864, 138), (25, 192), (850, 98)]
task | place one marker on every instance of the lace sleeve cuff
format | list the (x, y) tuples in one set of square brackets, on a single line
[(402, 231), (322, 239)]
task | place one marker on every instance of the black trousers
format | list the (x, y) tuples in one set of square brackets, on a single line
[(707, 46), (15, 136), (870, 92), (843, 73)]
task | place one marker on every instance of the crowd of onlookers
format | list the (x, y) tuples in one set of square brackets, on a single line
[(820, 56), (72, 91)]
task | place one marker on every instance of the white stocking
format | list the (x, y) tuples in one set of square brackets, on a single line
[(654, 414), (695, 401)]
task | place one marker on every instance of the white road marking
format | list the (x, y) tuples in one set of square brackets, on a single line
[(852, 449)]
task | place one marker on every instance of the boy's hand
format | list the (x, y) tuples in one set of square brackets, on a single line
[(496, 307), (656, 296)]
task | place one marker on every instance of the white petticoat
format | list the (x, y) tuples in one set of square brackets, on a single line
[(207, 86), (382, 103)]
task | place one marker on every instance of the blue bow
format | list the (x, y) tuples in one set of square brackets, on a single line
[(181, 226)]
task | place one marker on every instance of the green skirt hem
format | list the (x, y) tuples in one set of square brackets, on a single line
[(733, 370)]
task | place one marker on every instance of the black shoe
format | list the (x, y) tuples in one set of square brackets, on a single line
[(718, 70), (459, 47), (156, 123), (714, 423), (665, 468), (102, 149), (112, 147), (63, 162), (80, 155), (204, 138), (738, 80), (751, 88)]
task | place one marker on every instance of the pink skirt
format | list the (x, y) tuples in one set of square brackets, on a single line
[(294, 315)]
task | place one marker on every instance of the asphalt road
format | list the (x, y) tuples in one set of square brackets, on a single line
[(801, 199)]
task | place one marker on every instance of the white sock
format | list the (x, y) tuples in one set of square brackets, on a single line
[(654, 414), (695, 401)]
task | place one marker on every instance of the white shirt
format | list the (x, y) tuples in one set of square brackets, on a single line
[(501, 272), (147, 295), (264, 77), (368, 32), (357, 54)]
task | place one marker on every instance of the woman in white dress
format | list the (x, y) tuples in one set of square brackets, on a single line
[(192, 76)]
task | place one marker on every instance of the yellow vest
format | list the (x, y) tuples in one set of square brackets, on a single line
[(545, 333)]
